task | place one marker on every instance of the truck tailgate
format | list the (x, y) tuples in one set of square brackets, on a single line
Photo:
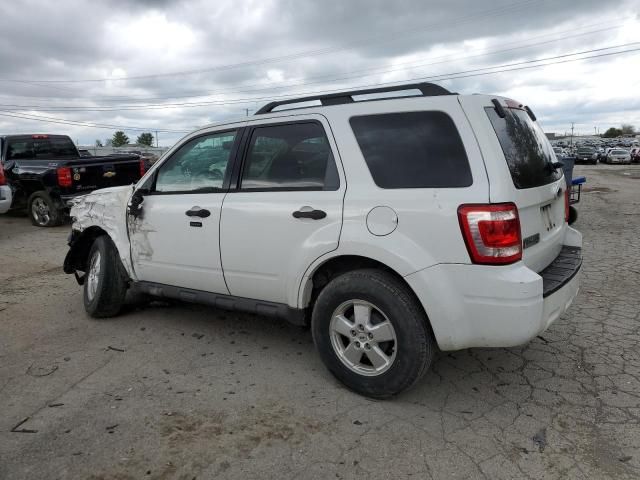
[(92, 173)]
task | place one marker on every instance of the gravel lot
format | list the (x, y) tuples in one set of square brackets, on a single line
[(182, 391)]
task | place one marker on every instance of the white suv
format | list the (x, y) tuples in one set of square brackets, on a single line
[(390, 225)]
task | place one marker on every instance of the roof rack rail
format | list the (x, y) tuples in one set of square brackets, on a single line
[(341, 98)]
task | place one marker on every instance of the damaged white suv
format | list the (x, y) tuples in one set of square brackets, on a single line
[(392, 225)]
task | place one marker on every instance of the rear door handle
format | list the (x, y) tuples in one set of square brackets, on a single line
[(198, 212), (308, 212)]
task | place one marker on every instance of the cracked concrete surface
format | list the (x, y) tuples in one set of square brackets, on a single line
[(200, 393)]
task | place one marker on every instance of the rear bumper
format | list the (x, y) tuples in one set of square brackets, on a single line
[(488, 306), (6, 197)]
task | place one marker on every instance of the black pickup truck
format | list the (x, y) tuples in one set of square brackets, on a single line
[(44, 172)]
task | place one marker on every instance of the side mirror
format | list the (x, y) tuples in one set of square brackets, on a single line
[(135, 204)]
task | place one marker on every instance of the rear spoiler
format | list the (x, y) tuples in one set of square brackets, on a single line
[(510, 104)]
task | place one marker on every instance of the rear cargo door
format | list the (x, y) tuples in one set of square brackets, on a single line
[(518, 160)]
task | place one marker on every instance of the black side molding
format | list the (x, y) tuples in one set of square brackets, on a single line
[(294, 316), (565, 266)]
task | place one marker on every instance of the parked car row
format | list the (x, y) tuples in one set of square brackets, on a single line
[(593, 155)]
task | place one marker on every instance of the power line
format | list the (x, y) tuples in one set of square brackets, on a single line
[(440, 77), (326, 78), (565, 60), (63, 121), (395, 36), (330, 78)]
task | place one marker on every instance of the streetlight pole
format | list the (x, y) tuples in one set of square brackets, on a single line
[(572, 125)]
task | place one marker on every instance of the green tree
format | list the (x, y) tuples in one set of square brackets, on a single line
[(119, 139), (145, 139), (627, 129), (98, 143), (613, 132)]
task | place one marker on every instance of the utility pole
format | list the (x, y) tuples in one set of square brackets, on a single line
[(595, 130), (247, 111), (572, 125), (157, 141)]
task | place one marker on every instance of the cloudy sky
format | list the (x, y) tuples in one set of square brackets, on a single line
[(173, 65)]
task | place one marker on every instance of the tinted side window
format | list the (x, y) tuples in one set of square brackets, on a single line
[(290, 156), (525, 147), (413, 150), (199, 165)]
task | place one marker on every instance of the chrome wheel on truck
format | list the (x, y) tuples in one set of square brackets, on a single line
[(40, 211), (43, 211)]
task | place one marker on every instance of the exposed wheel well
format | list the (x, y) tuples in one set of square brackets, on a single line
[(79, 252), (336, 266)]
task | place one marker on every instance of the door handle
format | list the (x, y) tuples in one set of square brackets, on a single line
[(198, 212), (308, 212)]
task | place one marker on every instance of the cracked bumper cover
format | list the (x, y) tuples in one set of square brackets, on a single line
[(486, 306)]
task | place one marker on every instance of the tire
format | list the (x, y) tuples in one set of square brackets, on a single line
[(573, 215), (105, 282), (408, 355), (43, 211)]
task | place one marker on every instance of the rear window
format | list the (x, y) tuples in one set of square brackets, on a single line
[(413, 150), (526, 148), (36, 148)]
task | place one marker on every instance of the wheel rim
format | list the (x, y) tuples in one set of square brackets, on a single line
[(40, 211), (363, 338), (92, 276)]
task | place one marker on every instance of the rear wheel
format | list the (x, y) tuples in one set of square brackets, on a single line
[(105, 282), (43, 211), (371, 333)]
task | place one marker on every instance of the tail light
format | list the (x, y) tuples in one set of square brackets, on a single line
[(65, 179), (491, 233), (3, 179), (566, 205), (143, 168)]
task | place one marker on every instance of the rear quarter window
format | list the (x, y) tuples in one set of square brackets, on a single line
[(413, 150), (526, 149)]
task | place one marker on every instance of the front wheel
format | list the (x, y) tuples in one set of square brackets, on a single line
[(105, 282), (43, 211), (372, 333)]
